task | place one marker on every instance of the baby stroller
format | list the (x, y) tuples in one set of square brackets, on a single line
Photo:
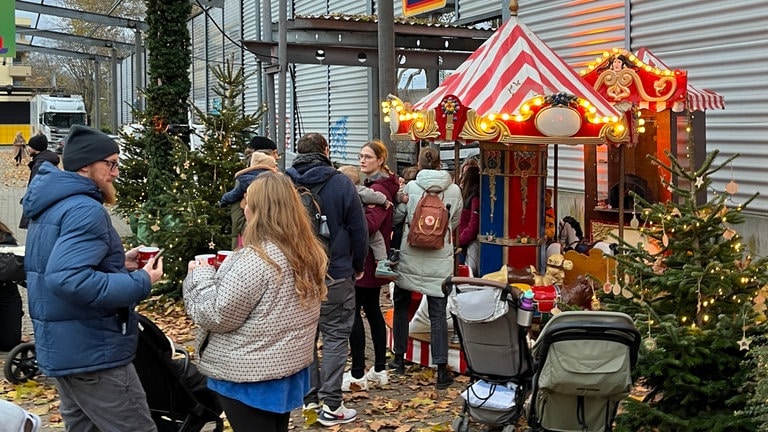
[(177, 395), (583, 362), (494, 344)]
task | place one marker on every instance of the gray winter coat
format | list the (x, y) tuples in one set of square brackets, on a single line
[(424, 270)]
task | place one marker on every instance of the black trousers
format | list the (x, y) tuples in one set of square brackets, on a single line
[(367, 300), (244, 417), (10, 316)]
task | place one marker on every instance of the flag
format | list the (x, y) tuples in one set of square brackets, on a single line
[(7, 28), (415, 7)]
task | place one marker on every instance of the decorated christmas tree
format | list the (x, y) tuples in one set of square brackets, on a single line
[(183, 215), (697, 295)]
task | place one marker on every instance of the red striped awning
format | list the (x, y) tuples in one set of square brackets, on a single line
[(510, 68), (696, 99)]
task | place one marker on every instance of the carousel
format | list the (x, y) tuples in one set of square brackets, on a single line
[(516, 98)]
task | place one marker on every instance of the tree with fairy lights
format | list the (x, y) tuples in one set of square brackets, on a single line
[(189, 221), (696, 294)]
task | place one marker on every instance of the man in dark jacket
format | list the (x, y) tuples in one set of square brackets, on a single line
[(38, 149), (347, 250), (83, 288)]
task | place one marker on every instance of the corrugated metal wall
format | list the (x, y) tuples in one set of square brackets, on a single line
[(724, 49), (349, 128), (251, 16), (578, 31), (125, 88), (198, 72)]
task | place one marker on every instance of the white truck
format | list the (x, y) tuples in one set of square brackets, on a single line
[(54, 115)]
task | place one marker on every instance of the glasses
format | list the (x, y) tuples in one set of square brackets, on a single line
[(362, 156), (112, 165)]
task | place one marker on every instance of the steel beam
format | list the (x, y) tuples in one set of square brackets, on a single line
[(61, 52), (66, 37), (81, 15), (352, 56)]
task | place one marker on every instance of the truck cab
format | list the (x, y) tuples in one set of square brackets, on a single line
[(54, 115)]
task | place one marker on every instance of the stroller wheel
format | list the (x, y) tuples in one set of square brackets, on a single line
[(21, 363), (461, 424)]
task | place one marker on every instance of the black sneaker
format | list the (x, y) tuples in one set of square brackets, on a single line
[(397, 366), (444, 378)]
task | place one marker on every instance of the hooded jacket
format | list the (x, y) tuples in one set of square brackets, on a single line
[(34, 167), (344, 212), (81, 297), (243, 179), (379, 219), (424, 270)]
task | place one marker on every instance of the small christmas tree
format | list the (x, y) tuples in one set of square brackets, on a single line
[(184, 216), (690, 286)]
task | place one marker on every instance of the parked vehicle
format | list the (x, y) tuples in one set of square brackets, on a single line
[(54, 115)]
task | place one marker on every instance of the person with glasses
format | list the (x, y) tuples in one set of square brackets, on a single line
[(83, 288), (378, 177)]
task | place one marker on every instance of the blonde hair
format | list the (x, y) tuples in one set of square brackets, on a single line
[(278, 216), (352, 172), (263, 160)]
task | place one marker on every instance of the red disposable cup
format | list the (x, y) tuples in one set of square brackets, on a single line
[(209, 259), (463, 271), (145, 253), (221, 256)]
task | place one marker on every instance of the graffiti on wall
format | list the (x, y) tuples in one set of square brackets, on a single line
[(338, 138)]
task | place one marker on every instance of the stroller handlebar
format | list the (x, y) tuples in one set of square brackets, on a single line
[(459, 280)]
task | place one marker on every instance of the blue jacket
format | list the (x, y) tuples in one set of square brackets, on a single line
[(242, 180), (341, 205), (81, 297)]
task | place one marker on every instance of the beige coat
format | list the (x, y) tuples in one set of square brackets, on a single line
[(257, 329)]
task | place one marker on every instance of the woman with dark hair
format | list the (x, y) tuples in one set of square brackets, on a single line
[(469, 223), (10, 299), (373, 159), (424, 270)]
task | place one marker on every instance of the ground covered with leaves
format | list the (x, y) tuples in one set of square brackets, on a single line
[(409, 403)]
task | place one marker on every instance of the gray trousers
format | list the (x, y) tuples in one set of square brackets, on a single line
[(109, 400), (438, 329), (337, 315)]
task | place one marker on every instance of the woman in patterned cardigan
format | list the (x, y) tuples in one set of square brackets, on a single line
[(260, 311)]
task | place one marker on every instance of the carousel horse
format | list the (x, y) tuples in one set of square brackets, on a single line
[(571, 237)]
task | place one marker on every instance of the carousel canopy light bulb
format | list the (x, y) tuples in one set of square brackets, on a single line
[(518, 118), (505, 116), (419, 124), (387, 119)]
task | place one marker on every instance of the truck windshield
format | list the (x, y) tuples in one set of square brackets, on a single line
[(64, 120)]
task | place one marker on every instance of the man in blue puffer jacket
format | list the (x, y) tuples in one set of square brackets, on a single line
[(83, 288)]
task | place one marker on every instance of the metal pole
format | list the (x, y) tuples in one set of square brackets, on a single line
[(386, 43), (113, 101), (96, 95), (269, 81), (138, 78), (282, 54)]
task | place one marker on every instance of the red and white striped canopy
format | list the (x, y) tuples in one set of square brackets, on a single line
[(697, 99), (510, 68)]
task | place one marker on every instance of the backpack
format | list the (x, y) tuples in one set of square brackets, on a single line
[(429, 223), (310, 198)]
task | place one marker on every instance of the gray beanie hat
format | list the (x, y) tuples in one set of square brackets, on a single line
[(85, 146)]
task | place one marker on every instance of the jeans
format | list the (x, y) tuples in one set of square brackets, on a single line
[(337, 315), (367, 300), (438, 330), (106, 400)]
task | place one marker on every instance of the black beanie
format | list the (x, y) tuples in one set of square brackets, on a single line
[(38, 142), (261, 143), (85, 146)]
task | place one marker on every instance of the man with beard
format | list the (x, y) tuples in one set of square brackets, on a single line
[(83, 288)]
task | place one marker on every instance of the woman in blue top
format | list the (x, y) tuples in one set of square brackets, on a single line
[(258, 314)]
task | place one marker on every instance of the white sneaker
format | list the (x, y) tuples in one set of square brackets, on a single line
[(377, 378), (341, 415), (350, 383)]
